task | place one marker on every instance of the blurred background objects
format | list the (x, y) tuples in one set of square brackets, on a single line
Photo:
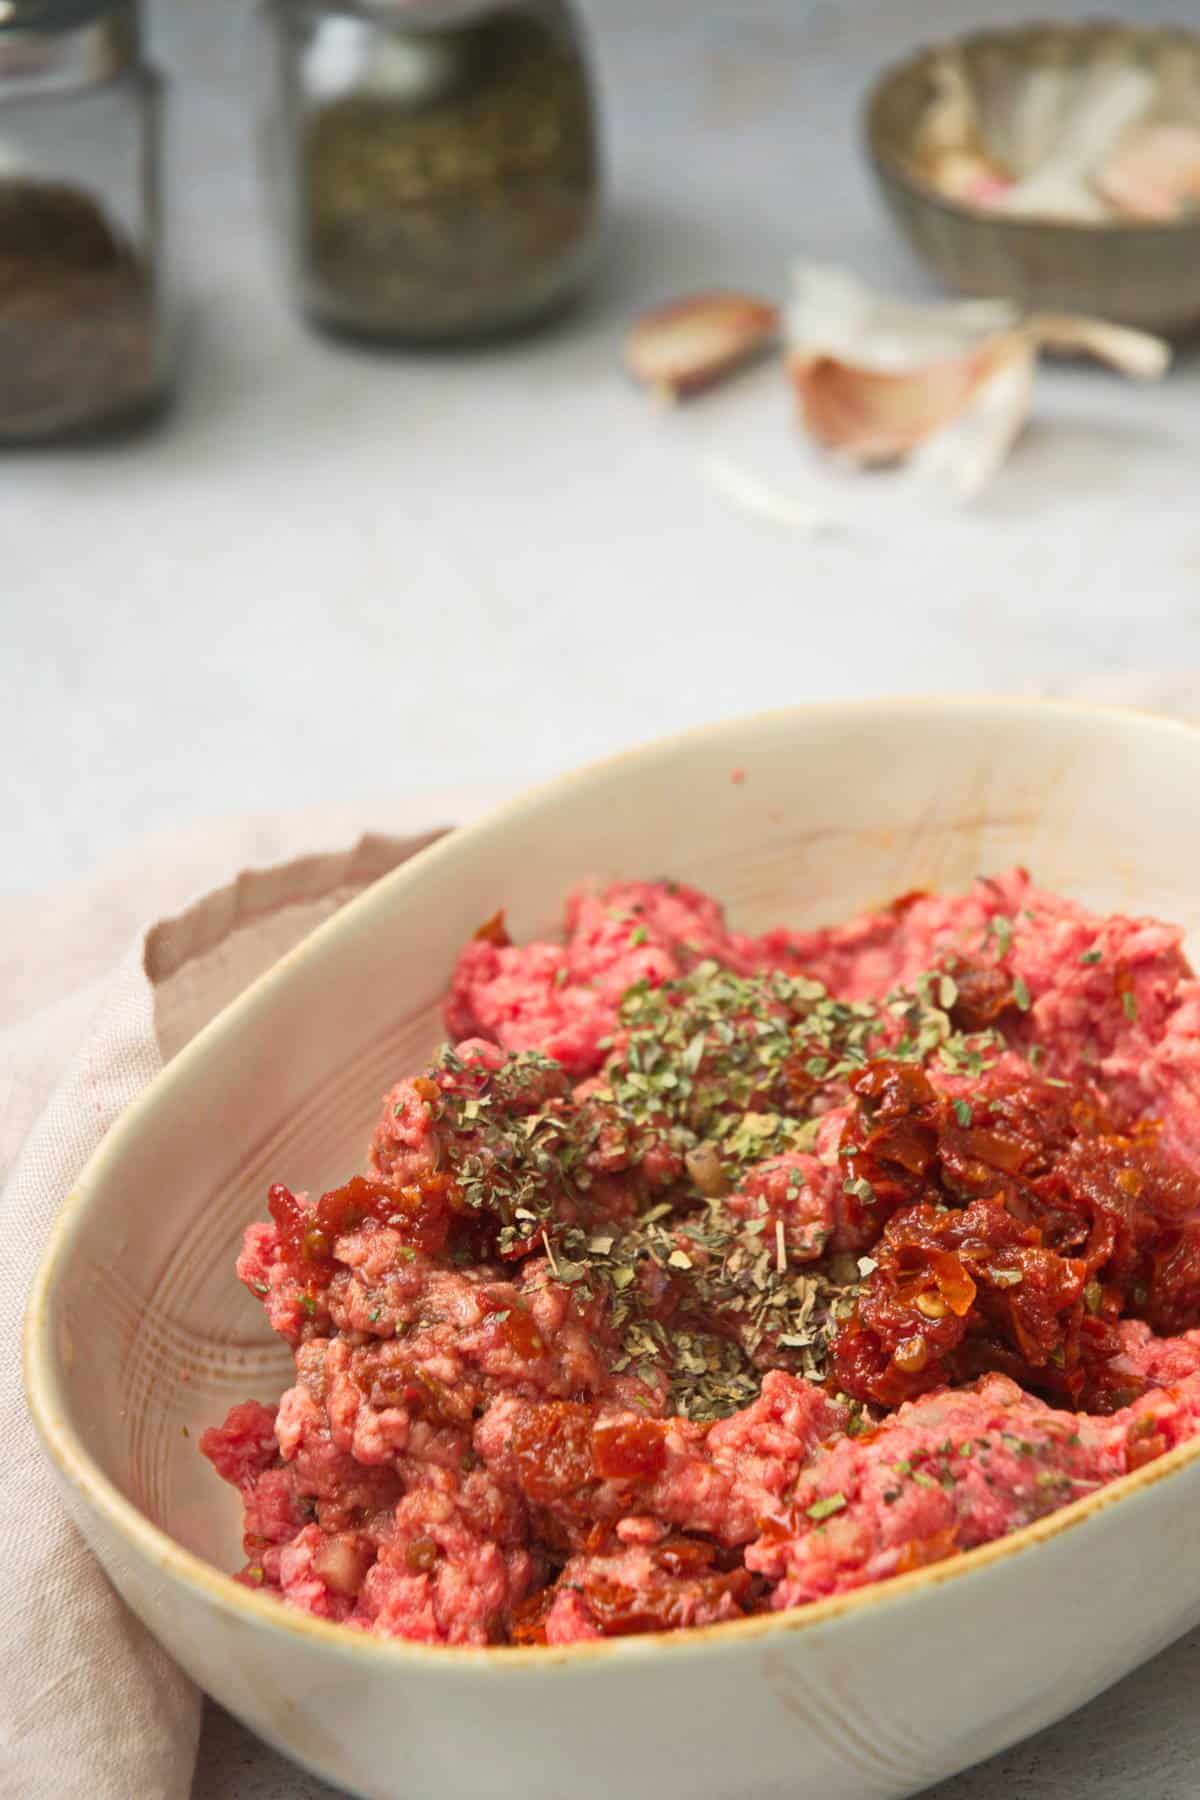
[(435, 166), (82, 338), (331, 572)]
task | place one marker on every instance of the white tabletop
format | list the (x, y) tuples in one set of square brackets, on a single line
[(334, 574)]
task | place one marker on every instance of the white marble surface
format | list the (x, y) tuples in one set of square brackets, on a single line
[(336, 573), (332, 575)]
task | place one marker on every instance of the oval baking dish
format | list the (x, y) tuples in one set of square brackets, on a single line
[(136, 1329)]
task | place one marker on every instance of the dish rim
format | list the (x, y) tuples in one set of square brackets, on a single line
[(889, 162), (247, 1606)]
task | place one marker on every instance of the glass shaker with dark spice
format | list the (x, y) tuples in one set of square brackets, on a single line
[(435, 162), (81, 337)]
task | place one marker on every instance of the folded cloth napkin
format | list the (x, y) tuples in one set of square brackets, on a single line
[(94, 998)]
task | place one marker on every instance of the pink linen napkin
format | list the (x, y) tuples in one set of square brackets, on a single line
[(94, 998)]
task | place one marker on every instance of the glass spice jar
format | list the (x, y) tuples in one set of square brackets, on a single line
[(435, 162), (81, 334)]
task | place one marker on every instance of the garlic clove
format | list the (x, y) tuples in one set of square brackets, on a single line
[(1154, 173), (970, 449), (691, 343), (947, 387)]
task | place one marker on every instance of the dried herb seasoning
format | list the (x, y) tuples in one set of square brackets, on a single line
[(78, 333), (462, 206), (720, 1071)]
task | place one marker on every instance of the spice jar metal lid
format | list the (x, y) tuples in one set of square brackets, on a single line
[(67, 43)]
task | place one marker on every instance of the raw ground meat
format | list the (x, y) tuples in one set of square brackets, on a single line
[(948, 1472), (709, 1274)]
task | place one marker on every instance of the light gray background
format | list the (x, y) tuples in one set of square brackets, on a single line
[(334, 574)]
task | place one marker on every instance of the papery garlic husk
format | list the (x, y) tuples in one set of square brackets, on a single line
[(879, 416), (878, 380), (876, 377), (1137, 354)]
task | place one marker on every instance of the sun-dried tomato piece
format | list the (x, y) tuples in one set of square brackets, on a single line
[(418, 1212), (629, 1449), (918, 1553), (518, 1328), (529, 1620), (1035, 1194), (1172, 1279), (685, 1581), (552, 1444), (985, 994), (973, 1280), (494, 931), (392, 1380)]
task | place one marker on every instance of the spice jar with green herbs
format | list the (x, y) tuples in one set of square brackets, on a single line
[(82, 345), (435, 162)]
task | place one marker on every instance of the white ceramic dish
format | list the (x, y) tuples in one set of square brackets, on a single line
[(137, 1327)]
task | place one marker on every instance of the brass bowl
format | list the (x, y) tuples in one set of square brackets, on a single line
[(1133, 272)]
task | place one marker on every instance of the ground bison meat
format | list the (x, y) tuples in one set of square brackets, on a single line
[(703, 1274), (948, 1472)]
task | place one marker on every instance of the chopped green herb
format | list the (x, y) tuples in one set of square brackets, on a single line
[(1130, 1005), (1090, 956), (824, 1509), (1021, 993), (740, 1067), (962, 1112), (1001, 929)]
